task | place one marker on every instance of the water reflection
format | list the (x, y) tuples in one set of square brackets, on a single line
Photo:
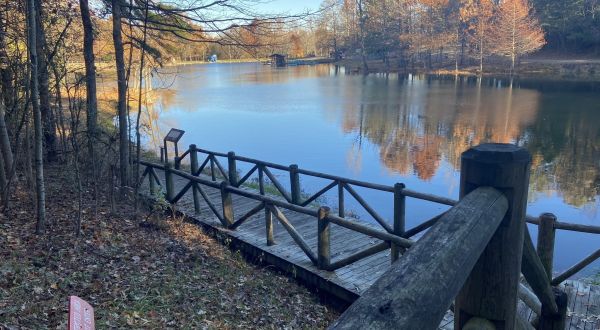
[(396, 128), (418, 121)]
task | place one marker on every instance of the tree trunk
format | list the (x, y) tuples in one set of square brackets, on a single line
[(90, 75), (2, 180), (7, 155), (122, 91), (362, 21), (5, 74), (90, 83), (44, 86), (138, 152), (28, 156), (37, 120)]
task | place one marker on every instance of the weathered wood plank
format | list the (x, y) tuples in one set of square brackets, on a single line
[(433, 270)]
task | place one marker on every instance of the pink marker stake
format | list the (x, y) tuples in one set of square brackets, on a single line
[(81, 314)]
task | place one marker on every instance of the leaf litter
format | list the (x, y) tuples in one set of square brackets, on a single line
[(167, 275)]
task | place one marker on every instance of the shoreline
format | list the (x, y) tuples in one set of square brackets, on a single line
[(551, 69)]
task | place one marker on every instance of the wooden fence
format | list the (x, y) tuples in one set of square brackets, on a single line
[(497, 236)]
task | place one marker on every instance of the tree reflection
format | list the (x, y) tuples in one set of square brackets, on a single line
[(425, 121)]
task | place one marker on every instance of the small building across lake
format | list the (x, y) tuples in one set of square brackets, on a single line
[(278, 60)]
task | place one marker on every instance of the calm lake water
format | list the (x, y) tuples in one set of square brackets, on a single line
[(388, 129)]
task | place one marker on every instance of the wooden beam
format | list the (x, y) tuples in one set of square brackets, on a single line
[(296, 236), (535, 274), (418, 289), (576, 268)]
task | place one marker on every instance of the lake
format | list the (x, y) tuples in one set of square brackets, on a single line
[(395, 128)]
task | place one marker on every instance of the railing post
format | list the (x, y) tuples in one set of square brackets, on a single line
[(269, 225), (177, 162), (193, 169), (399, 217), (545, 241), (490, 292), (169, 184), (261, 180), (323, 243), (162, 154), (341, 211), (232, 169), (212, 167), (227, 202), (295, 184), (166, 152), (550, 320)]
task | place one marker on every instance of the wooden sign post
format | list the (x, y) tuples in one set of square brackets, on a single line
[(81, 314), (173, 136)]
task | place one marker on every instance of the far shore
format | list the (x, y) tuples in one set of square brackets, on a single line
[(555, 68)]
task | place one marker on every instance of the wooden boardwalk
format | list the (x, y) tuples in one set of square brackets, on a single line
[(349, 282)]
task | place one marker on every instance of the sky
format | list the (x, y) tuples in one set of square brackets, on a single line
[(292, 6)]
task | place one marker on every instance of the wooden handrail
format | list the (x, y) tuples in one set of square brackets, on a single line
[(576, 268), (385, 188), (432, 271)]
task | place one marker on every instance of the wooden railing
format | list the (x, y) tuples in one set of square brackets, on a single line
[(541, 296), (547, 222), (473, 255)]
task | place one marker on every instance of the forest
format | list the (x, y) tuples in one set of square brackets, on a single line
[(409, 33)]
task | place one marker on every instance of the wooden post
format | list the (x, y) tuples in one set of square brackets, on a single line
[(323, 243), (490, 291), (261, 180), (177, 162), (162, 154), (170, 185), (551, 321), (166, 151), (227, 202), (341, 211), (193, 169), (399, 217), (232, 169), (545, 241), (269, 225), (295, 184), (212, 168)]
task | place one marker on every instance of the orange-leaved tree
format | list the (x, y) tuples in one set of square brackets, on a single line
[(477, 16), (517, 31)]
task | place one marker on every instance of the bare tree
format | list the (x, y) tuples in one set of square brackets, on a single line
[(90, 74), (90, 83), (44, 85), (37, 119), (362, 20), (122, 93)]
